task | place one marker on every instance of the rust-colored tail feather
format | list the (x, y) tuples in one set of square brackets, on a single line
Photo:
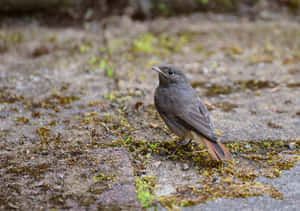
[(217, 150)]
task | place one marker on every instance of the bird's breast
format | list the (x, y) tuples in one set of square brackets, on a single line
[(174, 97)]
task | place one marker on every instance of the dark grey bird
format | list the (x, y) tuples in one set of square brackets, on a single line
[(184, 113)]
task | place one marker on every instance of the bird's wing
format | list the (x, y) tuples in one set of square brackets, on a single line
[(196, 116)]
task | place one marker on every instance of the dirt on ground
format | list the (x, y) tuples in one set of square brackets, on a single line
[(78, 129)]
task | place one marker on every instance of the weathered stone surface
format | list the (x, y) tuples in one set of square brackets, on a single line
[(66, 102), (288, 183), (121, 194), (270, 116)]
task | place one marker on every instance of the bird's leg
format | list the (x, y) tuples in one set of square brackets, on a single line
[(185, 142)]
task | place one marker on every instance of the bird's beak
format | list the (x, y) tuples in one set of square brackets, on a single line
[(158, 70)]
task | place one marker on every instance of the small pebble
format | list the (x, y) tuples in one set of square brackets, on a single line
[(247, 146), (61, 176), (216, 179), (115, 105), (291, 146), (45, 152), (41, 183), (185, 167)]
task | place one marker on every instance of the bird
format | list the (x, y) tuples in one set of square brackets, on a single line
[(183, 112)]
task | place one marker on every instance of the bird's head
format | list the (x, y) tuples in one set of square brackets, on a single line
[(170, 75)]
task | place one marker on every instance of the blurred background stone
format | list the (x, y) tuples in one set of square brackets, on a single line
[(141, 9)]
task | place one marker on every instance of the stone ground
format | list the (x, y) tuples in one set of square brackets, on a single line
[(78, 128)]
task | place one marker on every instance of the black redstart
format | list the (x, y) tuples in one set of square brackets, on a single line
[(184, 113)]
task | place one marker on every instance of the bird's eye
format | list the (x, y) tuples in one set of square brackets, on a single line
[(171, 72)]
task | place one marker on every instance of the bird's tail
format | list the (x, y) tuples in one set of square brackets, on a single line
[(217, 150)]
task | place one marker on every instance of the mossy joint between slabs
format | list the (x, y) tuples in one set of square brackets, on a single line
[(235, 179)]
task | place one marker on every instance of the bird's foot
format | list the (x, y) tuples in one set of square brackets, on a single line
[(172, 155), (168, 157), (185, 142)]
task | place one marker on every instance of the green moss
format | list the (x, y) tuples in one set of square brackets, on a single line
[(246, 174), (226, 106), (35, 170), (8, 96), (44, 134), (169, 201), (236, 86), (274, 125), (144, 43), (293, 85), (22, 120), (294, 5), (8, 40), (159, 45), (169, 7), (145, 187), (64, 99), (54, 101), (103, 177), (84, 47)]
